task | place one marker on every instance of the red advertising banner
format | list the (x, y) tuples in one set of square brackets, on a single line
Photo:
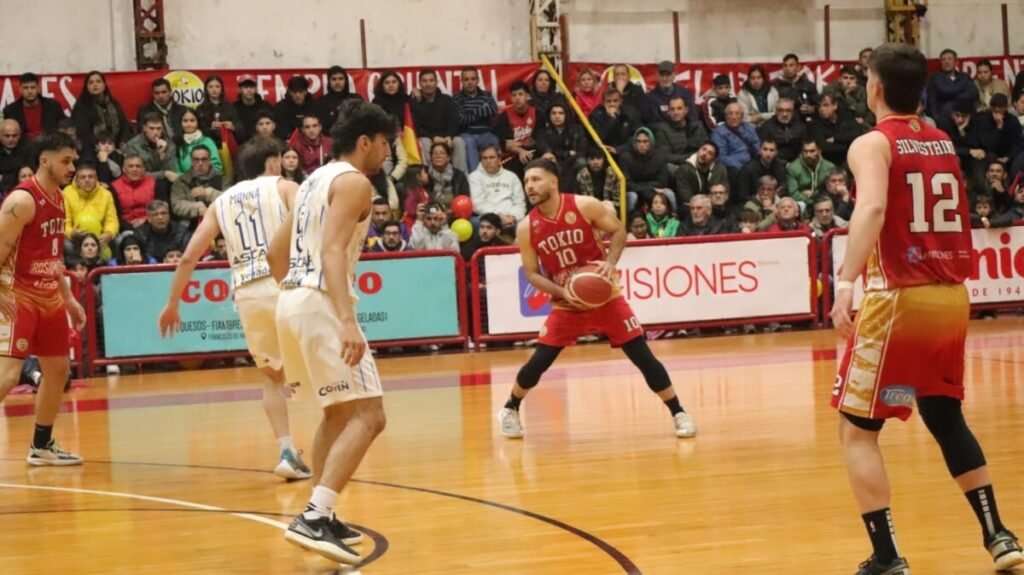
[(132, 89)]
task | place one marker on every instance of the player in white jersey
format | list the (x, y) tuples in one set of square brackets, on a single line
[(247, 215), (324, 349)]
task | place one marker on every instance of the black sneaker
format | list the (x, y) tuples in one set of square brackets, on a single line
[(871, 566), (317, 536), (342, 531), (1006, 552)]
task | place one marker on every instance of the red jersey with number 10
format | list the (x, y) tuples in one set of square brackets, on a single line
[(926, 238), (35, 267), (564, 243)]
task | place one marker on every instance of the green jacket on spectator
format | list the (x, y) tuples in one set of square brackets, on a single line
[(156, 167), (184, 155), (767, 215), (184, 204), (805, 182), (856, 101), (679, 142)]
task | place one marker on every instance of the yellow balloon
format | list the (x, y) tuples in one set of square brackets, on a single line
[(462, 229), (87, 222)]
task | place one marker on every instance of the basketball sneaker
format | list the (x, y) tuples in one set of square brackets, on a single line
[(685, 426), (318, 536), (291, 466), (871, 566), (1005, 550), (342, 531), (52, 454), (510, 425)]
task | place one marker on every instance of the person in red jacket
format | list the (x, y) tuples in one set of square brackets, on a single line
[(313, 147), (134, 190)]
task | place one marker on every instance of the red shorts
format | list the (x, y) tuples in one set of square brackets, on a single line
[(908, 343), (614, 319), (35, 331)]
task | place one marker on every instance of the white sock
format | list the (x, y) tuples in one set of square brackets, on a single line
[(321, 504), (285, 443)]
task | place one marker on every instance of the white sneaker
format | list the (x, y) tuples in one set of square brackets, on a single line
[(510, 425), (52, 454), (291, 466), (685, 426), (113, 370)]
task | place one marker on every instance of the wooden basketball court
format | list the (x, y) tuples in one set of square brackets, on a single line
[(177, 475)]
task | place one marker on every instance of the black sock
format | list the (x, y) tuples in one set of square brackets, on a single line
[(513, 402), (883, 538), (42, 436), (673, 405), (983, 501)]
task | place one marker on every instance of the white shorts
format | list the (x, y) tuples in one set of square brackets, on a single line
[(308, 329), (257, 308)]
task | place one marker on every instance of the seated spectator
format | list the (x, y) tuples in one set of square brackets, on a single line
[(163, 105), (678, 138), (216, 113), (723, 214), (159, 234), (392, 239), (767, 163), (291, 169), (850, 96), (661, 219), (702, 221), (24, 173), (948, 86), (988, 85), (749, 221), (135, 190), (1013, 215), (613, 122), (398, 162), (1018, 106), (196, 189), (108, 159), (173, 256), (544, 94), (219, 253), (596, 180), (338, 91), (998, 133), (637, 227), (837, 191), (588, 95), (796, 87), (35, 114), (13, 154), (132, 252), (764, 203), (431, 231), (562, 142), (380, 214), (446, 181), (715, 101), (487, 236), (994, 185), (981, 211), (159, 155), (266, 127), (476, 110), (737, 141), (390, 94), (515, 128), (862, 65), (87, 204), (436, 119), (89, 253), (808, 174), (656, 108), (825, 218), (313, 147), (415, 182), (497, 191), (787, 217), (958, 125), (645, 171), (191, 137), (699, 173), (834, 129), (787, 131), (247, 106), (633, 98), (757, 97), (296, 105)]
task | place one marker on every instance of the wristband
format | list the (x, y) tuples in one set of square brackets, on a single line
[(841, 285)]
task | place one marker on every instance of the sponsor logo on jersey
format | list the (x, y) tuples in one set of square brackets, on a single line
[(916, 255), (532, 302), (570, 218), (898, 396), (22, 344)]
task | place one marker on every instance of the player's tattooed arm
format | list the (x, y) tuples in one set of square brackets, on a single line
[(17, 211)]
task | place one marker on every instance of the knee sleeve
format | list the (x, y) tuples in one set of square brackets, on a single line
[(864, 423), (654, 372), (539, 362), (945, 421)]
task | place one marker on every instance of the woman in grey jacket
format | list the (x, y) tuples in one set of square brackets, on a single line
[(757, 97)]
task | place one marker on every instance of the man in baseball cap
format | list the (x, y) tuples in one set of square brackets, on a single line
[(248, 105)]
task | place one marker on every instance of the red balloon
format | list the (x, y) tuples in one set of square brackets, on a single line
[(462, 206)]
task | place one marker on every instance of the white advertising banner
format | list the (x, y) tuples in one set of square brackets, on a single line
[(673, 283), (998, 265)]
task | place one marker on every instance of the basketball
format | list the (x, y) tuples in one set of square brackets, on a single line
[(590, 287), (462, 206)]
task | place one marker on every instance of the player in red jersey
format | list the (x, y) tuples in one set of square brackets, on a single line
[(910, 236), (35, 300), (559, 235)]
